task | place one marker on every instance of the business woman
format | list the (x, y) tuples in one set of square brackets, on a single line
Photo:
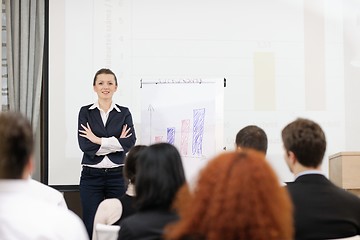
[(106, 133)]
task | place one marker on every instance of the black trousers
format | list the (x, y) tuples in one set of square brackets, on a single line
[(97, 184)]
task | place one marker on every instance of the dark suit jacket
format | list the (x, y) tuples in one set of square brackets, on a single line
[(323, 210), (113, 127), (146, 225)]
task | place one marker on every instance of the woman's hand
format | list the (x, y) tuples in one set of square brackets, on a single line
[(87, 133), (125, 132)]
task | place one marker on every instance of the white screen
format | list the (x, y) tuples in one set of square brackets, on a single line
[(281, 59)]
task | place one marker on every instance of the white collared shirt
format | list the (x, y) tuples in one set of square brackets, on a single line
[(46, 193), (108, 145), (26, 216)]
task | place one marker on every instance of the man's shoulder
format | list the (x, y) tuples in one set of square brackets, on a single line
[(61, 220), (40, 218), (47, 193), (321, 187)]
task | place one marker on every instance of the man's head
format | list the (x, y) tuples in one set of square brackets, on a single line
[(304, 142), (252, 137), (16, 146)]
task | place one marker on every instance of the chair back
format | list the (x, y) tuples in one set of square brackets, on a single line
[(356, 237), (107, 232)]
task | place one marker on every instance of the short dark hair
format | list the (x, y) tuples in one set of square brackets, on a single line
[(159, 176), (130, 162), (306, 140), (104, 71), (252, 137), (16, 144)]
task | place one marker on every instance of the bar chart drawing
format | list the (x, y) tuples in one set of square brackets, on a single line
[(189, 131), (185, 132), (198, 131), (171, 135), (185, 113), (158, 139)]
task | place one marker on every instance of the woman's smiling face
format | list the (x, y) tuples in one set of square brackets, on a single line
[(105, 86)]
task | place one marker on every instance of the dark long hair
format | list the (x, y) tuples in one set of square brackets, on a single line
[(159, 175), (130, 162)]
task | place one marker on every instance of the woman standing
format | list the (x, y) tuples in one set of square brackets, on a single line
[(106, 134)]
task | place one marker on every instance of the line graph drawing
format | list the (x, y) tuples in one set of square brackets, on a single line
[(198, 131)]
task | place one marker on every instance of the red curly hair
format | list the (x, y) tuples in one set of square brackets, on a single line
[(238, 196)]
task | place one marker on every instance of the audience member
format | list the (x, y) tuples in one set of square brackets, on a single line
[(237, 196), (251, 137), (22, 214), (112, 210), (159, 176), (322, 210)]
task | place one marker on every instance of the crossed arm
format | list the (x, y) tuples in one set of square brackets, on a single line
[(87, 133)]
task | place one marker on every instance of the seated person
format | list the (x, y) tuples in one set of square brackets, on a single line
[(237, 196), (251, 137), (159, 176), (23, 214), (112, 210), (322, 210)]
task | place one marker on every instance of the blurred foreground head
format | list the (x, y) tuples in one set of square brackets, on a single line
[(16, 146), (159, 176), (238, 196)]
